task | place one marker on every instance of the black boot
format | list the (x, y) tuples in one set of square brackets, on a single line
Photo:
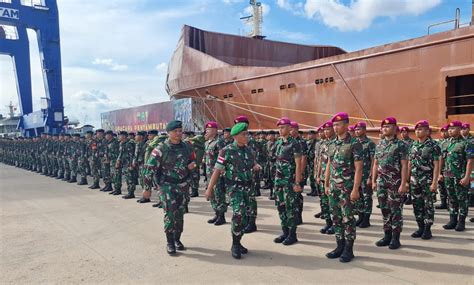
[(427, 232), (365, 222), (387, 237), (336, 253), (73, 179), (331, 230), (170, 246), (130, 195), (94, 186), (177, 241), (83, 181), (220, 220), (194, 193), (66, 178), (360, 219), (326, 227), (157, 205), (143, 200), (108, 188), (453, 221), (251, 226), (461, 226), (419, 232), (283, 236), (318, 215), (471, 220), (213, 219), (60, 176), (443, 205), (116, 192), (408, 200), (235, 249), (395, 242), (312, 193), (272, 196), (348, 254), (291, 238)]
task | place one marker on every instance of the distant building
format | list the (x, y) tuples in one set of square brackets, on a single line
[(8, 126)]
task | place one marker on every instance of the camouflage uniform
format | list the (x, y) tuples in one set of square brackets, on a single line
[(236, 163), (113, 148), (83, 159), (255, 189), (364, 204), (73, 158), (169, 164), (342, 172), (94, 151), (456, 155), (286, 199), (422, 157), (389, 154), (139, 159), (198, 145), (212, 148), (300, 201), (271, 165), (311, 145), (443, 144), (326, 151)]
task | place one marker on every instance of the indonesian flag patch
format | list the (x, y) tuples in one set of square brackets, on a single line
[(220, 159), (156, 153)]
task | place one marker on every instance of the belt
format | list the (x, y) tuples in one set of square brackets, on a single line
[(238, 183), (172, 180)]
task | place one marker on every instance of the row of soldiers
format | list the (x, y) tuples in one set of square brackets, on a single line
[(280, 160)]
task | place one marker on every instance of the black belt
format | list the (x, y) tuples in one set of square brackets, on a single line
[(238, 183)]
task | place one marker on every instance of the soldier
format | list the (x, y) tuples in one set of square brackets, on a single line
[(295, 133), (227, 137), (390, 173), (443, 144), (67, 168), (137, 159), (424, 170), (84, 155), (342, 183), (73, 153), (271, 160), (287, 181), (171, 162), (198, 145), (94, 148), (326, 150), (465, 131), (364, 204), (311, 145), (236, 162), (405, 137), (116, 148), (213, 146), (106, 162), (458, 158), (152, 142)]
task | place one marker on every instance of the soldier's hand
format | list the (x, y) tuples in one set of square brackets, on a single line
[(355, 195), (117, 164), (465, 181), (318, 180), (326, 190), (134, 164), (257, 167), (192, 165), (209, 194), (434, 187), (441, 178), (402, 189), (297, 188), (369, 182)]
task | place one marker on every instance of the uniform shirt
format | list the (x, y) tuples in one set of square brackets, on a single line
[(211, 152), (139, 152), (236, 162), (456, 154), (422, 157), (326, 151), (368, 153), (286, 152), (389, 155), (346, 152), (112, 151)]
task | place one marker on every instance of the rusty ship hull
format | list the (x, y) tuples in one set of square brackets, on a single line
[(431, 77)]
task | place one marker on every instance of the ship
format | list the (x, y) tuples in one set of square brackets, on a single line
[(430, 77)]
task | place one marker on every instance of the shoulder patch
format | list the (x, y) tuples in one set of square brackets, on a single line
[(156, 152)]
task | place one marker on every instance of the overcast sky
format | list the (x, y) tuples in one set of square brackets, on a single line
[(115, 52)]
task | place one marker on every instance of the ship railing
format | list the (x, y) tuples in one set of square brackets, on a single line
[(456, 21)]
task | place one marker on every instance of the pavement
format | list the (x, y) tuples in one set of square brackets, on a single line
[(56, 232)]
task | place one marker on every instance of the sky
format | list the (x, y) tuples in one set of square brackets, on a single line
[(115, 52)]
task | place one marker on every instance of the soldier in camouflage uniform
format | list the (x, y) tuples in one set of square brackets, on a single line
[(84, 155), (106, 162), (73, 153), (326, 150), (198, 144), (261, 156), (311, 145), (95, 150), (287, 181), (271, 160), (116, 165), (342, 183), (443, 144), (405, 137), (65, 156), (458, 160), (295, 133), (54, 155), (151, 143), (237, 163), (424, 170), (137, 165), (390, 174), (59, 157), (170, 164), (365, 203), (212, 147)]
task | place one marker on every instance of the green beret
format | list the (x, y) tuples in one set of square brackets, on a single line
[(238, 128), (173, 125)]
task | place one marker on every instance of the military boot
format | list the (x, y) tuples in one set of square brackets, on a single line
[(73, 179), (66, 177), (395, 242), (427, 232), (95, 185), (326, 227), (220, 219), (365, 222), (194, 193), (360, 219), (336, 253), (347, 254), (83, 181), (213, 219), (170, 245), (453, 221), (271, 196), (235, 249), (116, 192), (331, 230), (108, 187), (283, 236), (177, 241), (419, 232), (157, 205), (291, 238), (318, 215), (385, 241), (461, 226), (130, 195), (60, 176), (251, 226), (143, 200)]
